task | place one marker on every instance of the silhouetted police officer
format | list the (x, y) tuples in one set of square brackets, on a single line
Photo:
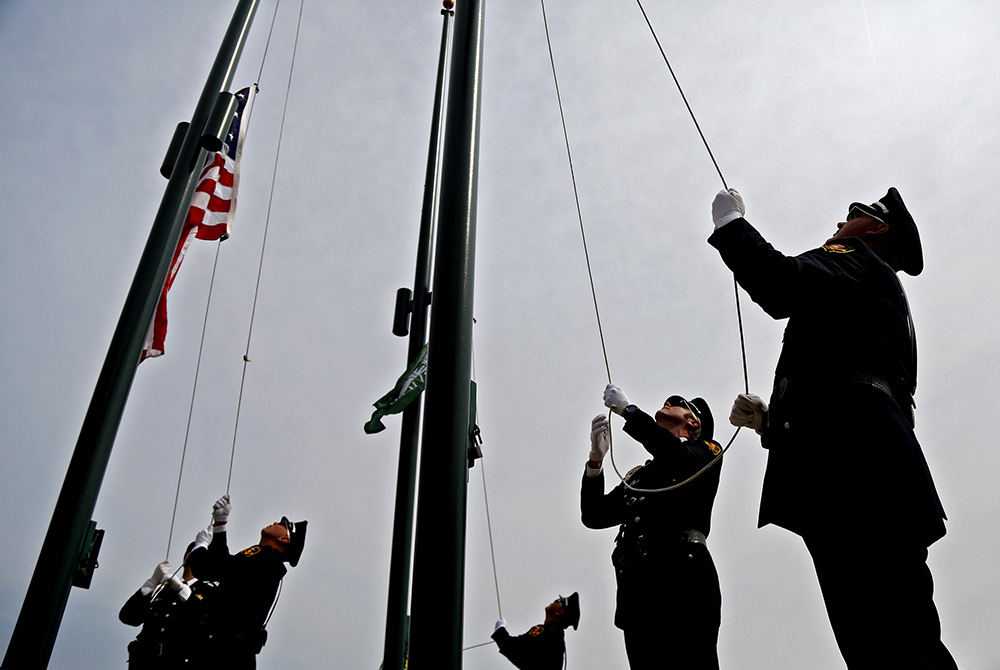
[(669, 602), (248, 580), (844, 469), (544, 645), (176, 618)]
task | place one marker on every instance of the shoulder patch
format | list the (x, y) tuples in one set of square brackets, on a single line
[(837, 248), (251, 551), (714, 447), (535, 631)]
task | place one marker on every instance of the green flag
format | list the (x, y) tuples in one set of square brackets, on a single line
[(407, 387)]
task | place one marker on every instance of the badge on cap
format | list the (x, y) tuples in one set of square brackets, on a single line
[(837, 248)]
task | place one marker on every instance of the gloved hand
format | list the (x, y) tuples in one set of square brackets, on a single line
[(748, 411), (727, 206), (183, 590), (600, 438), (203, 538), (220, 512), (500, 624), (615, 398), (161, 573)]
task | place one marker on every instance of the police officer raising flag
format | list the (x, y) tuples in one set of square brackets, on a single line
[(844, 468), (669, 602), (543, 646), (176, 616), (248, 580)]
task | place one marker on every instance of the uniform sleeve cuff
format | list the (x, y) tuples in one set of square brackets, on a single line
[(728, 218)]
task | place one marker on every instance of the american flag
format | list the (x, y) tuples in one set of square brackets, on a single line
[(209, 217)]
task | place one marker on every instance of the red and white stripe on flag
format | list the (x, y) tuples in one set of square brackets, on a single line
[(210, 217), (157, 333), (213, 199)]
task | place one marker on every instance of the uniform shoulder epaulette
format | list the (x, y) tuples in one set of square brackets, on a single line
[(714, 447), (837, 248)]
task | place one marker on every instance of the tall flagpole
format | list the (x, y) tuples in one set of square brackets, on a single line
[(41, 613), (439, 554), (394, 650)]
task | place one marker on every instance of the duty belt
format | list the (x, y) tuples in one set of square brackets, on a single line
[(886, 387), (694, 537), (686, 536), (877, 382)]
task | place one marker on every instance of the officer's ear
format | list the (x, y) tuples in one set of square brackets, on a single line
[(879, 228)]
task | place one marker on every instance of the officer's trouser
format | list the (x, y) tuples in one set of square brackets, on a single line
[(675, 612), (879, 597)]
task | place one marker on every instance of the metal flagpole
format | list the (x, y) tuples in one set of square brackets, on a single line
[(439, 554), (38, 622), (394, 652)]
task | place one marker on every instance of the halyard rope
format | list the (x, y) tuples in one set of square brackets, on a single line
[(263, 245), (583, 236), (204, 326)]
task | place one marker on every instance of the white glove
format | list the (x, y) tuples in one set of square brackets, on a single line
[(160, 574), (727, 206), (183, 590), (600, 438), (203, 538), (615, 398), (220, 512), (500, 624), (748, 411)]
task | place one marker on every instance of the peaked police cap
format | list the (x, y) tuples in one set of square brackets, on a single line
[(891, 210)]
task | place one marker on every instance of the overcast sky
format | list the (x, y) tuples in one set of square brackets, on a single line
[(807, 107)]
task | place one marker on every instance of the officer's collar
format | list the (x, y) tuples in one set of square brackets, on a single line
[(857, 244), (850, 242)]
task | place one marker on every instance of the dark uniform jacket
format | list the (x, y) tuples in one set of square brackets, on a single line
[(655, 548), (541, 648), (248, 584), (175, 633), (843, 456)]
